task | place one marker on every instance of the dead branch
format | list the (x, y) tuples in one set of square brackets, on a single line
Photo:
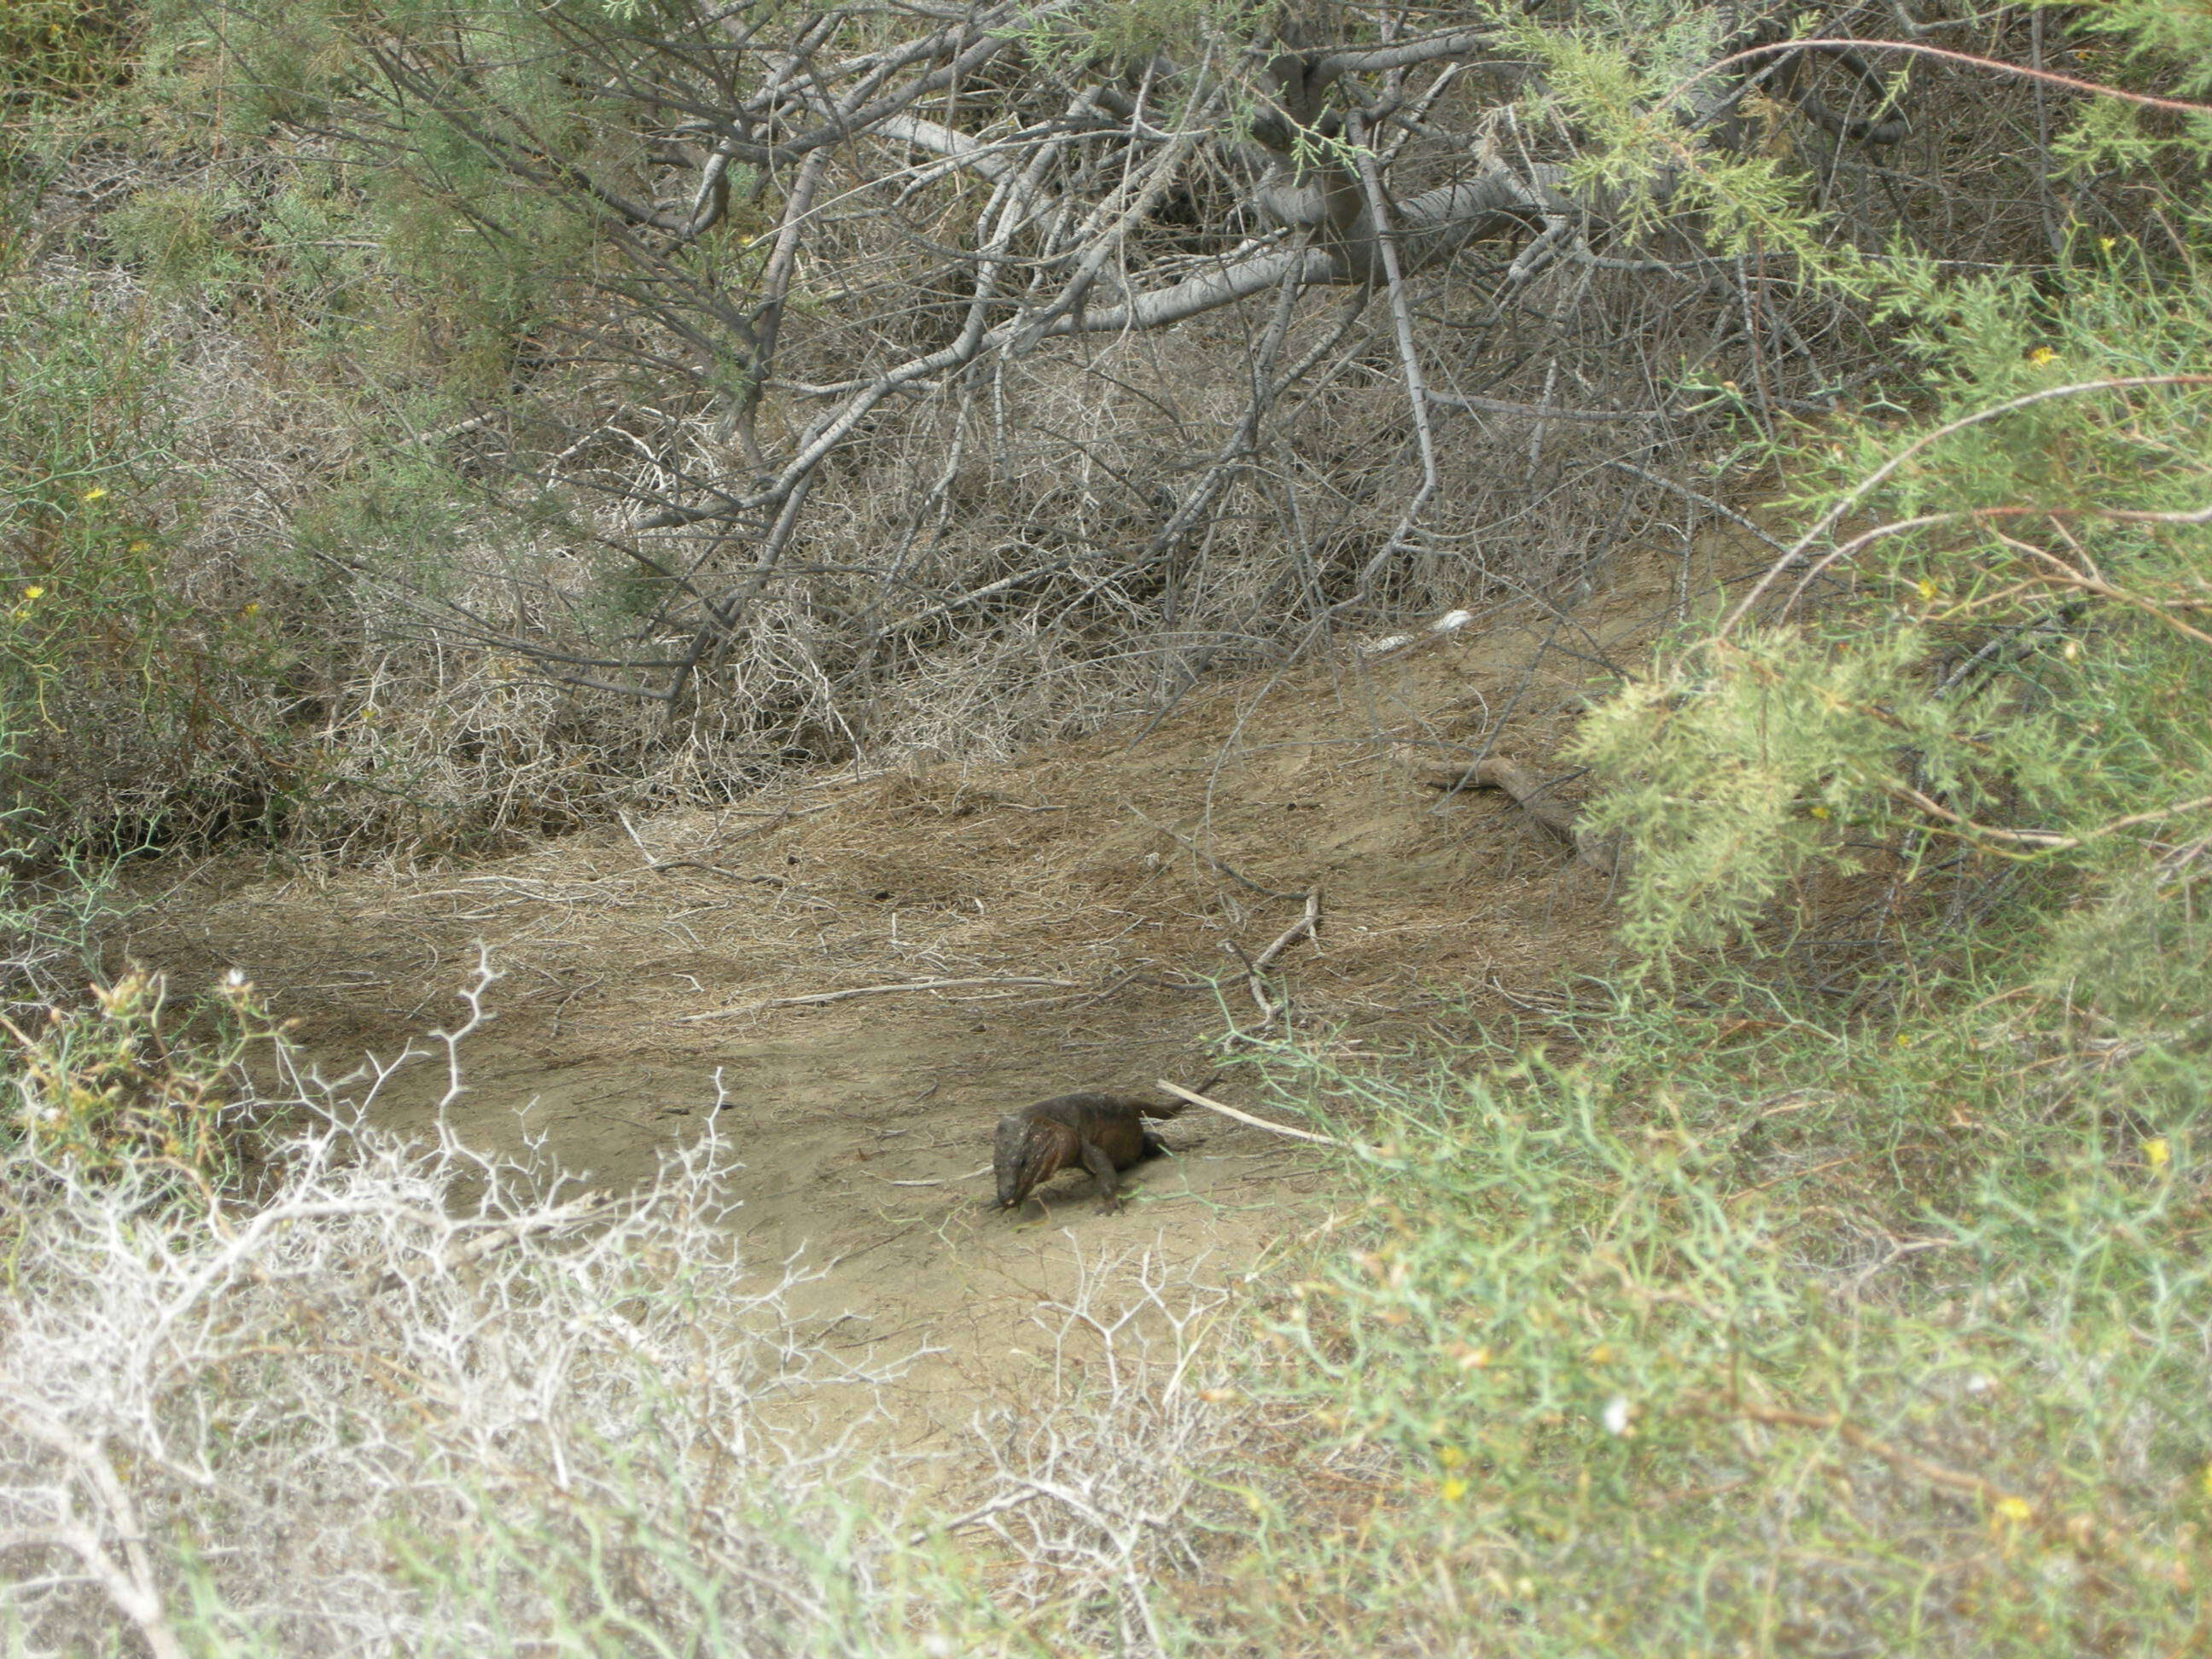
[(1196, 1099), (1208, 859), (1556, 818), (816, 998), (1307, 924)]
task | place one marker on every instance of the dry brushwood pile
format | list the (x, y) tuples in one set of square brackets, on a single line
[(736, 391)]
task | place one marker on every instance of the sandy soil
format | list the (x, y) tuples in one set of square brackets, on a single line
[(1084, 909)]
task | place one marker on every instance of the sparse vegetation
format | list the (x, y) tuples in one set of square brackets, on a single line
[(429, 428)]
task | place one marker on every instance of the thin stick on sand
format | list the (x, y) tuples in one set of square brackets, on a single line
[(816, 997), (1195, 1099)]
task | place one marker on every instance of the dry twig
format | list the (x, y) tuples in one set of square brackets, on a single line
[(1197, 1099), (815, 998)]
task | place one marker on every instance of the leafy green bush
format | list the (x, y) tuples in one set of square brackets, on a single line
[(131, 1084), (177, 237), (122, 688), (1821, 1344), (1992, 636)]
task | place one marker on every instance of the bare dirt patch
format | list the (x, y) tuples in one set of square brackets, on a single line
[(1081, 917)]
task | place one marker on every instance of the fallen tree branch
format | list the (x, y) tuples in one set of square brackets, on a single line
[(2049, 840), (1537, 411), (1557, 818), (662, 867), (1205, 857), (949, 1180)]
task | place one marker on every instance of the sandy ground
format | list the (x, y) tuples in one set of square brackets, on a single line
[(1086, 912)]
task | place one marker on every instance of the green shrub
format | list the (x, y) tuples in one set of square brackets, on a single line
[(120, 687), (1688, 1349), (179, 237), (130, 1085), (54, 51)]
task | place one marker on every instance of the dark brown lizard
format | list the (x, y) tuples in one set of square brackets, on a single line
[(1103, 1133)]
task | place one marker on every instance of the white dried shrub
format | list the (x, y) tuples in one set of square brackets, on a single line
[(1099, 1494), (413, 1399)]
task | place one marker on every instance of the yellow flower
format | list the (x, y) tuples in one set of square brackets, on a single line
[(1927, 588), (2042, 355), (2106, 243), (2157, 1153), (1904, 1040), (1451, 1456), (1454, 1491), (93, 493), (2205, 1479), (2015, 1510), (140, 547), (1819, 811), (252, 608), (33, 592)]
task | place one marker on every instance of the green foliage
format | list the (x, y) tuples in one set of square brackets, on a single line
[(2157, 38), (441, 269), (1635, 80), (177, 238), (1133, 31), (257, 67), (51, 917), (53, 52), (82, 455), (101, 651), (2022, 639), (1129, 33), (1704, 1348), (1773, 746), (403, 513), (1779, 1324), (131, 1087)]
